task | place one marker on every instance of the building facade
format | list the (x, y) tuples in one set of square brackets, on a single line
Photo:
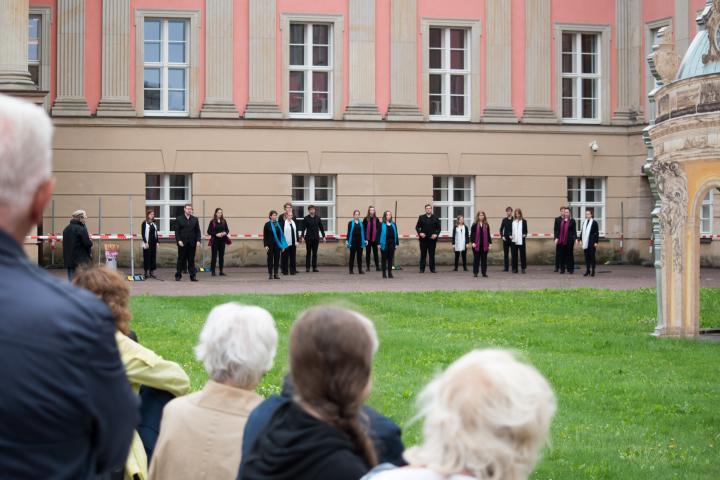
[(471, 105)]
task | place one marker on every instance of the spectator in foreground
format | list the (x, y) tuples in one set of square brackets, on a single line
[(142, 365), (201, 433), (77, 245), (67, 410), (485, 417), (318, 435)]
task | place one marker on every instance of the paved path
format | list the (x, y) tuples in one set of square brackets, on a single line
[(336, 279)]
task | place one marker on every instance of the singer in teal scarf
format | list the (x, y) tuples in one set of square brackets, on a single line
[(350, 234), (278, 235), (383, 234)]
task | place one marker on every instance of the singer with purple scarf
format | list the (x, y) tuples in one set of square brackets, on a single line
[(481, 241)]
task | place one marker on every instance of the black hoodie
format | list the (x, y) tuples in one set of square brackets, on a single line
[(297, 446)]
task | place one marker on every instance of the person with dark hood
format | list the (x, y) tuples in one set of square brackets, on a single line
[(77, 246)]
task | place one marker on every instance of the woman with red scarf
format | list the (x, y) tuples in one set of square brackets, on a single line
[(481, 241)]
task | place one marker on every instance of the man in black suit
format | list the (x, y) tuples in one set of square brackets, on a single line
[(311, 231), (556, 233), (428, 229), (506, 234), (567, 235), (187, 236)]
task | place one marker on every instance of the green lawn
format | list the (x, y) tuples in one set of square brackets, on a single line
[(630, 406)]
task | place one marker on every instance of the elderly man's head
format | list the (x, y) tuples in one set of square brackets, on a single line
[(26, 182), (238, 344)]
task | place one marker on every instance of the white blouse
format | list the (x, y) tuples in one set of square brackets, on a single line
[(460, 238), (290, 228), (517, 232)]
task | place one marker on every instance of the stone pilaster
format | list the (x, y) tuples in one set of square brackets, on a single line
[(538, 70), (263, 26), (219, 60), (115, 99), (14, 73), (403, 62), (362, 104), (498, 78), (681, 25), (628, 42), (70, 101)]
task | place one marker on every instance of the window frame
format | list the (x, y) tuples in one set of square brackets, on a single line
[(448, 72), (331, 220), (45, 14), (451, 204), (707, 202), (308, 69), (164, 65), (164, 218), (583, 204)]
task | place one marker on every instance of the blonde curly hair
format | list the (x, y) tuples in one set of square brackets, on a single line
[(111, 288)]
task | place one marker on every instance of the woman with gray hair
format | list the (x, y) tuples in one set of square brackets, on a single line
[(486, 417), (201, 433)]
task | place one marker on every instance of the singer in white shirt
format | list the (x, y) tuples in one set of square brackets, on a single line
[(589, 236)]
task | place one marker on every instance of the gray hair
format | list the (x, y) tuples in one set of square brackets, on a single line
[(488, 414), (238, 344), (25, 151)]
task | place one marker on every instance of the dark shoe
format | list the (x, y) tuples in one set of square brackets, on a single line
[(352, 273), (222, 274), (293, 273), (592, 274), (570, 272), (384, 274), (432, 270), (361, 272), (556, 270), (514, 271), (270, 277), (523, 270), (390, 275), (177, 277), (485, 274), (152, 275), (465, 269), (276, 277), (212, 274), (145, 276), (455, 269), (475, 275), (307, 270), (316, 270), (506, 270), (562, 272), (422, 270), (193, 279), (586, 274)]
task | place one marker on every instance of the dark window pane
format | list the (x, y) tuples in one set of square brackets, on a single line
[(459, 182), (298, 181), (567, 108), (320, 103), (588, 43), (320, 81), (298, 194), (152, 180), (320, 56), (568, 64), (297, 33), (435, 38), (435, 105), (320, 34), (588, 87), (178, 180), (152, 78), (457, 59), (457, 105), (297, 102), (152, 29), (435, 58), (176, 31), (588, 108), (589, 63), (457, 84), (178, 194), (567, 42), (437, 182), (152, 194), (457, 38), (297, 55), (297, 81), (322, 181), (34, 73), (568, 87), (436, 84), (322, 195), (152, 99)]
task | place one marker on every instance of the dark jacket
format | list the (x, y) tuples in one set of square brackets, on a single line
[(358, 233), (77, 245), (215, 228), (556, 227), (311, 228), (296, 237), (187, 230), (524, 230), (378, 225), (474, 239), (572, 232), (506, 228), (297, 446), (152, 241), (268, 237), (428, 225), (594, 233), (66, 408), (467, 234)]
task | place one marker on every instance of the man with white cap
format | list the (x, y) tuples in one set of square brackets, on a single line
[(77, 246)]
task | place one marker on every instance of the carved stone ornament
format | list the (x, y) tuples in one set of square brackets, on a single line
[(711, 18), (672, 188), (664, 61)]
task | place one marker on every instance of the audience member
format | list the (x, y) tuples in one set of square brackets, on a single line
[(77, 245)]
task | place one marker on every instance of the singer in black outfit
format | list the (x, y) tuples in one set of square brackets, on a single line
[(589, 238), (187, 236), (288, 259), (218, 231), (371, 222), (556, 234), (274, 242), (149, 233), (428, 229), (506, 234), (356, 241), (481, 241), (311, 231)]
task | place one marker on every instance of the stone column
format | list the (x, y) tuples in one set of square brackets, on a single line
[(70, 101), (538, 68), (628, 41), (498, 75), (362, 104), (403, 62), (219, 60), (115, 99), (14, 73), (263, 26), (681, 25)]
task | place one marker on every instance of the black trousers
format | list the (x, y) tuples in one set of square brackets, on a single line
[(558, 256), (506, 253), (356, 252), (186, 258), (150, 259), (288, 260), (387, 258), (427, 248), (518, 251), (311, 247), (273, 260), (218, 253), (567, 262), (590, 258), (372, 247), (480, 261), (462, 254)]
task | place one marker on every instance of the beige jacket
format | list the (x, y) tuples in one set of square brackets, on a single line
[(201, 434)]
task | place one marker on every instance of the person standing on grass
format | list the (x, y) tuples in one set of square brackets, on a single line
[(274, 241), (218, 232), (389, 242), (519, 235), (506, 235), (461, 240), (556, 235), (371, 223), (288, 260), (481, 240), (77, 245), (187, 236), (149, 233), (356, 241), (589, 237), (566, 241), (311, 231), (428, 229)]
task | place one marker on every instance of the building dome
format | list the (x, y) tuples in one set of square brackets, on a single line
[(703, 56)]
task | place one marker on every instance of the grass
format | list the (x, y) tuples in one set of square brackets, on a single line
[(630, 405)]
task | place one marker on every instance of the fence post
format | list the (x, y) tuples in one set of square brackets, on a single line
[(52, 242), (132, 240), (202, 245), (100, 252)]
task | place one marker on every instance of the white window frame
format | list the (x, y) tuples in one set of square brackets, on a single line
[(707, 202), (650, 82), (446, 74), (578, 77), (335, 59), (472, 64), (603, 32), (165, 203), (308, 69), (193, 40), (331, 204), (449, 223), (583, 205), (164, 65), (45, 14)]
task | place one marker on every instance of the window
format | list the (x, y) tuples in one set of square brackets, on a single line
[(585, 193), (166, 65), (581, 77), (452, 196), (318, 190), (706, 215), (310, 70), (449, 74), (167, 194), (34, 45)]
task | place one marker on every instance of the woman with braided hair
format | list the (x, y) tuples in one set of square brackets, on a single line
[(320, 435)]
